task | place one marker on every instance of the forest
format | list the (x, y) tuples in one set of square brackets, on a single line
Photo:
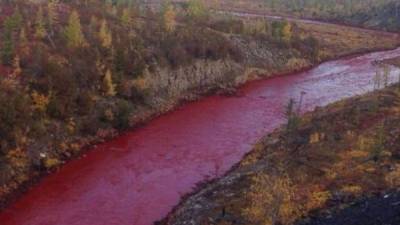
[(84, 70)]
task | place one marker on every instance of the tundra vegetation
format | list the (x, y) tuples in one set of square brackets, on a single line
[(73, 73)]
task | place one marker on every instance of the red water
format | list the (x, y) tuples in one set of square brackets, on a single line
[(137, 178)]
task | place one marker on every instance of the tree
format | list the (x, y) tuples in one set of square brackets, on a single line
[(53, 13), (23, 43), (108, 84), (377, 80), (73, 32), (11, 24), (40, 102), (40, 29), (315, 48), (16, 67), (105, 35), (379, 143), (7, 50), (168, 18), (386, 76), (126, 17), (16, 19), (292, 117), (196, 9), (286, 32)]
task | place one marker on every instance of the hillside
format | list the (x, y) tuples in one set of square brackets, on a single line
[(386, 16), (316, 165), (376, 14), (75, 73)]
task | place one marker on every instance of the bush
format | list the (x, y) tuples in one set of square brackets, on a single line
[(123, 115), (14, 116)]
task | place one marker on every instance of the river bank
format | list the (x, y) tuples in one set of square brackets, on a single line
[(318, 166)]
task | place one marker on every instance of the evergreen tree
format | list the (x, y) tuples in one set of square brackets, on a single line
[(105, 35), (23, 42), (17, 67), (53, 13), (108, 84), (73, 32), (196, 9), (168, 18), (16, 20), (287, 32), (126, 17), (40, 29), (7, 50)]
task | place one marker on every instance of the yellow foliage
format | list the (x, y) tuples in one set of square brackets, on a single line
[(18, 158), (40, 29), (364, 143), (140, 84), (105, 35), (393, 178), (169, 18), (75, 147), (16, 66), (50, 163), (126, 17), (52, 13), (255, 27), (108, 84), (74, 33), (357, 154), (252, 158), (40, 102), (318, 199), (351, 189), (316, 137), (71, 126), (271, 200), (63, 147), (295, 63), (287, 32), (331, 174)]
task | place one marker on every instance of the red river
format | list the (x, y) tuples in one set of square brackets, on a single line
[(139, 177)]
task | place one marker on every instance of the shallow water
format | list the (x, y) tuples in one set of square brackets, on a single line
[(140, 176)]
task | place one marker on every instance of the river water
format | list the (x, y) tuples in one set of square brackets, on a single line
[(140, 176)]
